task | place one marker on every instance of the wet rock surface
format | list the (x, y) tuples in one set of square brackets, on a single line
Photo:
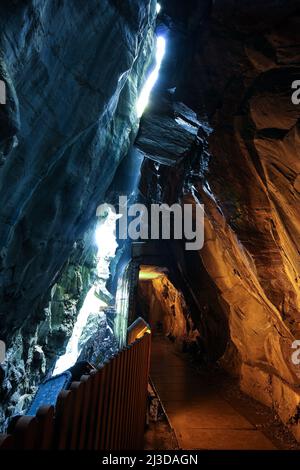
[(69, 120), (97, 342), (252, 212), (167, 135), (34, 350), (239, 62)]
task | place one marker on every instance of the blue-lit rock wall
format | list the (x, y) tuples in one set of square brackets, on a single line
[(73, 71)]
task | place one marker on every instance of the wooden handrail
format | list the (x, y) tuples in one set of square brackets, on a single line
[(105, 410)]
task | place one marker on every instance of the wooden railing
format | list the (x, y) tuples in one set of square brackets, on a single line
[(103, 411)]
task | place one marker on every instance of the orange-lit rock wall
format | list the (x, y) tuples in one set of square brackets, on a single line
[(240, 60), (164, 305), (247, 59)]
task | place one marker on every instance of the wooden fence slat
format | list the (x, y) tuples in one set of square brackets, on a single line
[(63, 419), (125, 437), (132, 398), (95, 381), (144, 384), (76, 389), (125, 441), (139, 402), (143, 391), (137, 395), (117, 429), (25, 433), (137, 410), (107, 398), (124, 401), (114, 416), (132, 430), (45, 421), (86, 381), (106, 421), (100, 406)]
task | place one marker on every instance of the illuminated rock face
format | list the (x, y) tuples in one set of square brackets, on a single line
[(74, 71), (164, 308), (252, 246), (239, 66)]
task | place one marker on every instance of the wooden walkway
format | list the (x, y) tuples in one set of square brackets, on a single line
[(200, 417)]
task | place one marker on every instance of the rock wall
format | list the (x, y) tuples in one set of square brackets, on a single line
[(97, 341), (246, 59), (73, 71), (35, 348), (235, 69), (165, 309)]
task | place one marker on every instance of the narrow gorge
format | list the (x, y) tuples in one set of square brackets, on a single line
[(176, 103)]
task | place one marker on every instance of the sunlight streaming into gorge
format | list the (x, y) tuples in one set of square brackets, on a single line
[(105, 237), (153, 77)]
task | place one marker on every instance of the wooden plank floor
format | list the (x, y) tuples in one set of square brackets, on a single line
[(201, 418)]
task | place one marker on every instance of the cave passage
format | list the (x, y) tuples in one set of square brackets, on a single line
[(193, 398)]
